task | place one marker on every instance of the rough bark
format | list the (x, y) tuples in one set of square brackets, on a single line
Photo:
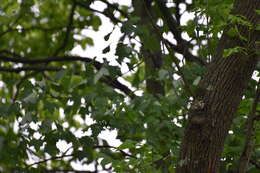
[(220, 93)]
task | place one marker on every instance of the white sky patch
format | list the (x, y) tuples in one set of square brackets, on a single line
[(110, 137), (63, 146), (98, 5), (79, 166), (230, 132), (2, 84), (255, 75), (121, 2)]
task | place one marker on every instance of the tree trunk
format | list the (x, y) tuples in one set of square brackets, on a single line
[(220, 92), (152, 56), (153, 62)]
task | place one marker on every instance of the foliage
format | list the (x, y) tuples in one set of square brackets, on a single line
[(48, 94)]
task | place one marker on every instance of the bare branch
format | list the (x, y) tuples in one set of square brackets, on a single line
[(29, 68), (25, 60), (49, 159)]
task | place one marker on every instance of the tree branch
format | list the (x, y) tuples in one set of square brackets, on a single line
[(249, 143), (186, 53), (114, 83), (49, 159), (29, 68), (177, 14), (174, 27), (71, 155), (115, 7), (68, 30), (171, 22), (110, 81), (121, 151), (85, 6), (25, 60)]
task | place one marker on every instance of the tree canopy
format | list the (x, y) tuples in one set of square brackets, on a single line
[(182, 95)]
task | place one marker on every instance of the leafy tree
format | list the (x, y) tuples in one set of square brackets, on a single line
[(187, 104)]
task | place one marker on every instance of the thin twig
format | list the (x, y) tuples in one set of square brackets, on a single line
[(25, 60), (49, 159)]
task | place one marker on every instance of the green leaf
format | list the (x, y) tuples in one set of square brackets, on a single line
[(26, 119), (162, 74), (231, 51), (232, 32), (60, 74), (128, 28), (106, 160), (258, 12), (47, 125), (196, 81), (96, 22), (102, 72), (32, 98), (127, 144), (85, 42), (87, 141), (257, 27), (106, 37), (106, 50)]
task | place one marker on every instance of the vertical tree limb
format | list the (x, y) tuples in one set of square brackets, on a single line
[(249, 142)]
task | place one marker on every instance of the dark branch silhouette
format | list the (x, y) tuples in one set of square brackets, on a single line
[(29, 68), (110, 81)]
